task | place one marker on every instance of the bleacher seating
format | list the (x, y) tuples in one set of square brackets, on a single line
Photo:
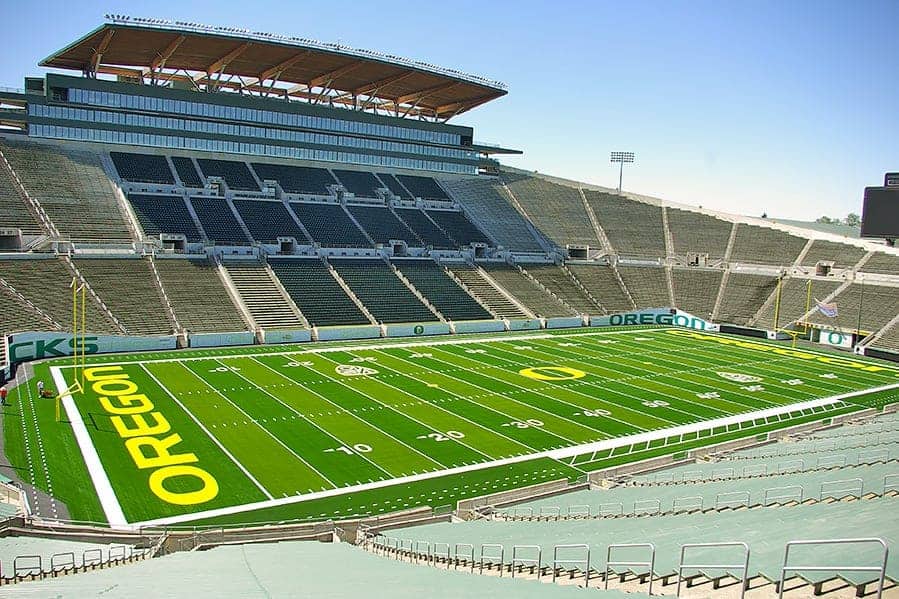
[(602, 284), (458, 227), (742, 296), (297, 179), (45, 283), (384, 295), (889, 340), (563, 286), (841, 254), (16, 316), (647, 285), (73, 189), (236, 174), (218, 220), (395, 187), (268, 220), (633, 228), (882, 263), (14, 546), (877, 304), (537, 299), (450, 300), (14, 213), (164, 214), (382, 225), (484, 199), (143, 168), (198, 297), (793, 296), (695, 290), (425, 230), (329, 224), (699, 233), (762, 245), (261, 296), (360, 183), (557, 210), (129, 291), (187, 171), (480, 288), (422, 187), (319, 297)]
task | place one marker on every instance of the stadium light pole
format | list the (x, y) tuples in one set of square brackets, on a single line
[(621, 158)]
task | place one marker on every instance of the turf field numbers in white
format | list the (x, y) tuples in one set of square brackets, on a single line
[(530, 422), (225, 369), (708, 395), (364, 359), (357, 448), (594, 413), (828, 375), (752, 388), (792, 382), (475, 351), (657, 403), (422, 356), (298, 364), (442, 436)]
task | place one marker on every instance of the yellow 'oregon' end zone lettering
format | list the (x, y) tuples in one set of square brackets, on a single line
[(552, 373), (118, 395), (783, 351)]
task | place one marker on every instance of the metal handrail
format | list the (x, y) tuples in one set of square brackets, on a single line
[(650, 564), (645, 502), (787, 488), (470, 555), (582, 510), (745, 499), (417, 553), (678, 501), (891, 486), (586, 562), (502, 555), (744, 566), (882, 568), (860, 488), (526, 561)]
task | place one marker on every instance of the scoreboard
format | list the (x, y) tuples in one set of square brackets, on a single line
[(880, 212)]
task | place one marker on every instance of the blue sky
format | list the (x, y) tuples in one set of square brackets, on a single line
[(788, 108)]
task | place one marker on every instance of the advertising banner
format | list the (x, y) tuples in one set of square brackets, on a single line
[(37, 346)]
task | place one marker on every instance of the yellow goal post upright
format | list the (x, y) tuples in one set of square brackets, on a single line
[(793, 333), (78, 342)]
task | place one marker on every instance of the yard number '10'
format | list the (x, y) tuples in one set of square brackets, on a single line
[(357, 448)]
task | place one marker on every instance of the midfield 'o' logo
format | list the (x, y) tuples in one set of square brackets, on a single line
[(353, 370), (739, 378), (418, 330), (552, 373)]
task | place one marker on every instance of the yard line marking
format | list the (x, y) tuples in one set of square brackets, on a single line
[(558, 454), (345, 411), (207, 431), (268, 432), (108, 500), (574, 423)]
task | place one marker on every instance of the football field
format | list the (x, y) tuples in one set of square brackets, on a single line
[(380, 426)]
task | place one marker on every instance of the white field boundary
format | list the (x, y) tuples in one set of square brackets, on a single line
[(108, 499), (557, 454)]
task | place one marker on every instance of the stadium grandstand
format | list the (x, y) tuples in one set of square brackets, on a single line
[(259, 292)]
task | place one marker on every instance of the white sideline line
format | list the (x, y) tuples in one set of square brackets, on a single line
[(556, 454), (108, 499)]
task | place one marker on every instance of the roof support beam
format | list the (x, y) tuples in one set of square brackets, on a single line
[(161, 58), (375, 85), (424, 93), (100, 50), (225, 60), (330, 76), (282, 66)]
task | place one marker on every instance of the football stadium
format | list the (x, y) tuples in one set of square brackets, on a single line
[(273, 324)]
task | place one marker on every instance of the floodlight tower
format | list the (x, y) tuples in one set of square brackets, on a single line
[(621, 158)]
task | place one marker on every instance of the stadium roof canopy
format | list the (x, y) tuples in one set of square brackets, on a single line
[(159, 51)]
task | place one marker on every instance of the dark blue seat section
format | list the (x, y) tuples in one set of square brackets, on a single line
[(394, 186), (164, 214), (268, 220), (432, 281), (187, 172), (381, 224), (360, 183), (143, 168), (236, 174), (218, 221), (296, 179), (423, 187), (457, 226), (316, 293), (329, 225), (382, 292), (427, 231)]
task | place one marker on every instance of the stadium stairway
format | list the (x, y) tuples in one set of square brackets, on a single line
[(696, 290), (219, 221), (319, 296), (158, 214), (633, 228), (880, 302), (457, 227), (17, 314), (424, 228), (793, 298), (142, 168), (694, 232), (527, 291), (302, 180), (763, 245), (841, 254), (386, 297), (450, 300), (264, 298), (558, 281), (479, 285), (330, 225), (742, 294), (648, 286), (603, 283), (381, 224), (266, 220), (16, 209), (198, 298), (881, 263)]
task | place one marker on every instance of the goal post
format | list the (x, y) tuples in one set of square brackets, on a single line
[(79, 316)]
